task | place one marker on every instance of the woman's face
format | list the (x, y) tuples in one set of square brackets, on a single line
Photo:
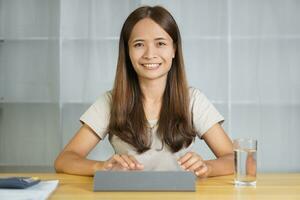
[(151, 50)]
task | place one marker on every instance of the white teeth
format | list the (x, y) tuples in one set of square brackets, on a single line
[(151, 66)]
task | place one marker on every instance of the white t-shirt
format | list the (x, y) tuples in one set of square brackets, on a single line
[(204, 116)]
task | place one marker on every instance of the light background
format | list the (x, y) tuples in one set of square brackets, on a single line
[(58, 56)]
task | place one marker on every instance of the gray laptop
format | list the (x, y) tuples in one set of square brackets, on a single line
[(144, 181)]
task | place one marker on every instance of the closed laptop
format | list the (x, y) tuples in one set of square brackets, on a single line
[(144, 181)]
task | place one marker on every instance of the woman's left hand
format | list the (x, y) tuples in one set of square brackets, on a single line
[(193, 162)]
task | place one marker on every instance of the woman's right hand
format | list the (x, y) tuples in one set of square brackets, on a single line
[(122, 162)]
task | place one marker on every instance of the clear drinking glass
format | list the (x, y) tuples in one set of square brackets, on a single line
[(245, 151)]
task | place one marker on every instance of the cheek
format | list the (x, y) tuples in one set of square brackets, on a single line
[(167, 55), (135, 55), (134, 58)]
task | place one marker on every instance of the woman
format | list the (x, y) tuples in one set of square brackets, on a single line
[(151, 116)]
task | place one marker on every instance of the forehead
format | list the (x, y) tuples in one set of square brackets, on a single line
[(147, 29)]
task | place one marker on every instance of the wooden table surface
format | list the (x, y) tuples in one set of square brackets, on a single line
[(269, 186)]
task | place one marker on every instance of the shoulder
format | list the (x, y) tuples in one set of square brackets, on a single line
[(198, 99), (204, 114), (97, 115), (103, 101), (196, 94)]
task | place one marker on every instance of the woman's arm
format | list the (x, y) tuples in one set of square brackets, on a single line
[(221, 146), (72, 159)]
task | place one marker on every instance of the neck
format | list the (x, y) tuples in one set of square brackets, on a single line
[(153, 90)]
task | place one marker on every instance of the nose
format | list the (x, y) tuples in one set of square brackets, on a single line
[(149, 52)]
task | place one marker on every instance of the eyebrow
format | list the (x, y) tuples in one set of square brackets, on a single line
[(141, 40)]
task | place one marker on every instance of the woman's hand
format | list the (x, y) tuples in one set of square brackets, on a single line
[(122, 162), (191, 161)]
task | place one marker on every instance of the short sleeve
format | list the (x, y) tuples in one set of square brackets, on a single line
[(98, 114), (204, 114)]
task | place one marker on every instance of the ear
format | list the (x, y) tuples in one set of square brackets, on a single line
[(174, 50)]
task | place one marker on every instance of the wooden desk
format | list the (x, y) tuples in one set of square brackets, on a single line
[(269, 186)]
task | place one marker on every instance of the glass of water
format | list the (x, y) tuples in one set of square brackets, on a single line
[(245, 161)]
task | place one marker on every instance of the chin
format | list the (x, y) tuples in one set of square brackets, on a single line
[(154, 77)]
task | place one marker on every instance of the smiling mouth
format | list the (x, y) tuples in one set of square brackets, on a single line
[(151, 66)]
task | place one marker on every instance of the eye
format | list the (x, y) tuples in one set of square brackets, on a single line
[(160, 44), (139, 44)]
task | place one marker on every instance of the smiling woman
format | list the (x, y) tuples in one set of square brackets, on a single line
[(151, 115), (151, 50)]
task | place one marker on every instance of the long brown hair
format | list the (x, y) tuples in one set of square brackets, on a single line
[(127, 116)]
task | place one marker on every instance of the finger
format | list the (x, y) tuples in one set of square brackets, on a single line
[(196, 165), (137, 163), (184, 158), (124, 169), (202, 170), (193, 163), (130, 163), (120, 161), (107, 165), (193, 160)]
